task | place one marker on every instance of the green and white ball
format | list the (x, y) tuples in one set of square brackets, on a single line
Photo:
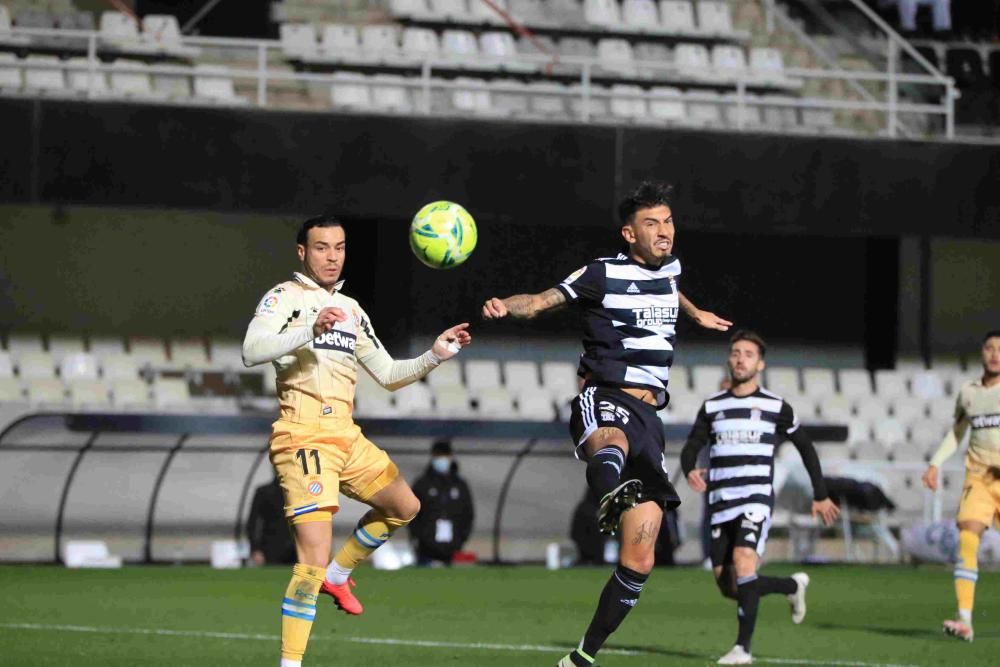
[(443, 235)]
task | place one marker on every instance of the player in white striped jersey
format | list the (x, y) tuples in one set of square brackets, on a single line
[(630, 303), (744, 425), (978, 407)]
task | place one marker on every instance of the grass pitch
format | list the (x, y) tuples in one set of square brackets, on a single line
[(172, 616)]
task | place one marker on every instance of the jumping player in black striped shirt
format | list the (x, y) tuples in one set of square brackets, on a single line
[(630, 303), (744, 425)]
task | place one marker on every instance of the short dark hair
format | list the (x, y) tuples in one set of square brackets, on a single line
[(753, 337), (302, 238), (441, 448), (991, 334), (645, 195)]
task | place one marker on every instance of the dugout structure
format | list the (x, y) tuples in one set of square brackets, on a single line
[(160, 488)]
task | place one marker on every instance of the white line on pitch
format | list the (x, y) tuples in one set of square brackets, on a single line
[(531, 648), (534, 648), (827, 663)]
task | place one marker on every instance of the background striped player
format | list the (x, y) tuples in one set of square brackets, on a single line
[(743, 426)]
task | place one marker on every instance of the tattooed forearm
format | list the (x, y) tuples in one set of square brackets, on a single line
[(646, 532), (527, 306), (520, 305)]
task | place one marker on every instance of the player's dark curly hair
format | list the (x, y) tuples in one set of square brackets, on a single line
[(645, 195), (991, 334), (751, 336), (302, 237)]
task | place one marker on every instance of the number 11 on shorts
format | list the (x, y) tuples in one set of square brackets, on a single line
[(302, 457)]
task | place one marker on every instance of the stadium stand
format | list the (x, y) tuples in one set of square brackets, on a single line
[(705, 64)]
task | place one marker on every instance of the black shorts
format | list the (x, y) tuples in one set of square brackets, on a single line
[(598, 407), (746, 530)]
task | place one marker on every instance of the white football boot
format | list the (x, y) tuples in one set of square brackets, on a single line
[(737, 656), (797, 600)]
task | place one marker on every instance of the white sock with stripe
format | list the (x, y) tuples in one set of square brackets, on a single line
[(336, 574)]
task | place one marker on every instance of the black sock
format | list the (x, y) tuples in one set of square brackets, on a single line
[(747, 600), (783, 585), (604, 470), (578, 660), (617, 599)]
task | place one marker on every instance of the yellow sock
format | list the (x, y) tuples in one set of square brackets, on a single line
[(373, 530), (966, 572), (299, 609)]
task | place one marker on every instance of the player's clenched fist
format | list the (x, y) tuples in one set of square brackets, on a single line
[(930, 478), (696, 480), (494, 309), (326, 319)]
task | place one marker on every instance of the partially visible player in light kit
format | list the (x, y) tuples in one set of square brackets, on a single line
[(978, 406), (316, 337)]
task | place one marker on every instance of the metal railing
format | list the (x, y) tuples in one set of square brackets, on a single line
[(264, 66), (896, 46)]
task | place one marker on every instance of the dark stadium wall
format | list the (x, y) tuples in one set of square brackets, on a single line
[(189, 273), (965, 296), (115, 154), (168, 273), (246, 18)]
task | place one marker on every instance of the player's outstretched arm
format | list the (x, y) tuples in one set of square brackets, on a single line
[(395, 374), (523, 306), (703, 317)]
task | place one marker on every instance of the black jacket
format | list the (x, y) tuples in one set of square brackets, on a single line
[(267, 527), (441, 497)]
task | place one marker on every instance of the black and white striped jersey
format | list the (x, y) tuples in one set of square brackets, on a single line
[(630, 317), (743, 433)]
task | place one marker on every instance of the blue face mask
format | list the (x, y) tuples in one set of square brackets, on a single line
[(441, 464)]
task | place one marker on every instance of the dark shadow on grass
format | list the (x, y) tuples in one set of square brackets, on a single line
[(924, 633), (651, 650)]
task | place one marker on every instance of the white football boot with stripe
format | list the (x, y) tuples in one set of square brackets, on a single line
[(737, 656), (797, 600)]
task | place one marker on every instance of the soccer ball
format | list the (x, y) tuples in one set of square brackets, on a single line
[(443, 235)]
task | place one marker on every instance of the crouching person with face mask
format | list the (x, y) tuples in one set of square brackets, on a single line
[(445, 519)]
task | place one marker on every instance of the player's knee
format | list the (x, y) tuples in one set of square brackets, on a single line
[(974, 527), (313, 556), (726, 581), (642, 563), (410, 509), (403, 512), (727, 586), (407, 507)]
